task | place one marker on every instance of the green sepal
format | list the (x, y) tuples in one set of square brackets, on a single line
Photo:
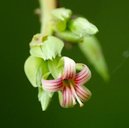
[(60, 96), (60, 16), (92, 50), (44, 98), (56, 67), (47, 47), (69, 36), (34, 69), (82, 27)]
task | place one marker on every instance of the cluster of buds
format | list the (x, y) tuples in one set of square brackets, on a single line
[(51, 72)]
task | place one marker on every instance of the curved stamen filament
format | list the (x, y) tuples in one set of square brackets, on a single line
[(74, 101)]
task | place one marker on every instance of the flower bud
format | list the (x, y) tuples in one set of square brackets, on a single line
[(92, 50), (82, 27), (60, 17), (46, 47)]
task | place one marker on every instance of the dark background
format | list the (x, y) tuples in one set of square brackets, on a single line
[(109, 105)]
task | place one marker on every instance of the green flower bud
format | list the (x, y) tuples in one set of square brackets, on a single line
[(82, 27), (60, 16), (92, 50), (35, 68), (47, 47)]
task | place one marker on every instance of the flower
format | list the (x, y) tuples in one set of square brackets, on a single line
[(70, 84)]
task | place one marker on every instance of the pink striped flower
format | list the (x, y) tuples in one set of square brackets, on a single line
[(70, 84)]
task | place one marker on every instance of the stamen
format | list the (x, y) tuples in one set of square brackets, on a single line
[(74, 101), (74, 92)]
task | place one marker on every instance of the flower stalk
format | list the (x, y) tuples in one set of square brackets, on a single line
[(46, 6)]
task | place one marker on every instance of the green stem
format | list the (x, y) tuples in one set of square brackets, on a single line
[(46, 7)]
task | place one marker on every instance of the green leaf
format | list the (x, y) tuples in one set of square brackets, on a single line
[(92, 50), (47, 48), (60, 16), (34, 69), (56, 67), (82, 27), (44, 98)]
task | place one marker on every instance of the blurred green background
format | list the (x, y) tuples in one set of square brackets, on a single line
[(109, 105)]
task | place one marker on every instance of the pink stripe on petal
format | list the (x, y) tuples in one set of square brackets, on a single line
[(82, 80), (53, 89), (67, 98), (69, 68), (52, 85), (72, 70), (80, 91), (83, 93), (83, 76), (64, 97), (84, 72), (70, 98)]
